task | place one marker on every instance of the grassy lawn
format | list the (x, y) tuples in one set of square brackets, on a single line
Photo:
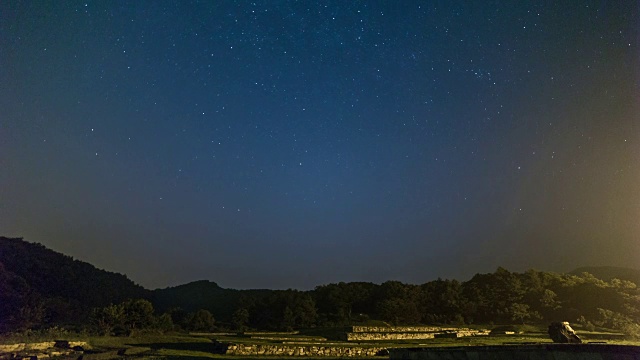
[(201, 347)]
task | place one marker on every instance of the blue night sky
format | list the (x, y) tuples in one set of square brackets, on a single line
[(288, 144)]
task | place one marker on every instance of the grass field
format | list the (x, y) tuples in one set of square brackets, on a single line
[(204, 346)]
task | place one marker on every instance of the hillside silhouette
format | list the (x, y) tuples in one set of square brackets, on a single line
[(41, 288), (202, 294), (39, 282)]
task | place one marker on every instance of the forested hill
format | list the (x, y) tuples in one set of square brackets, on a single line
[(608, 273), (204, 294), (40, 284), (40, 288)]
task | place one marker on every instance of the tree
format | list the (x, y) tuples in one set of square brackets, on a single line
[(340, 301), (288, 319), (138, 314), (304, 309), (201, 320), (519, 312), (21, 307), (493, 294), (399, 311), (179, 317), (106, 319), (549, 300), (399, 303), (444, 302), (164, 322), (240, 319)]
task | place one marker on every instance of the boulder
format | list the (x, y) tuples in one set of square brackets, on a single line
[(561, 332)]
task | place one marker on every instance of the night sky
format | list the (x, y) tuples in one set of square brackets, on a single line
[(289, 144)]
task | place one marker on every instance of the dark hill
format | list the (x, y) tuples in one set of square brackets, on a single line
[(203, 294), (40, 288), (60, 284), (57, 289), (610, 272)]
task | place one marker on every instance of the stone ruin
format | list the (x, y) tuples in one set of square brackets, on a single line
[(391, 333), (43, 350)]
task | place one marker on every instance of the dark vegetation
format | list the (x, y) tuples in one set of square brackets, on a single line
[(608, 273), (40, 289)]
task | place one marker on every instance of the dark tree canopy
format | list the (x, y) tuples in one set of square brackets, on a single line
[(42, 288)]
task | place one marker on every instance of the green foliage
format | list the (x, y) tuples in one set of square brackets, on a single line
[(519, 312), (399, 303), (549, 300), (240, 319), (43, 289), (21, 308), (444, 303), (288, 319), (106, 319), (501, 297), (164, 323), (201, 320), (338, 302), (281, 310), (586, 324), (138, 314), (124, 318)]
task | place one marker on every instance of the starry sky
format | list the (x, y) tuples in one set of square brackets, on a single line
[(289, 144)]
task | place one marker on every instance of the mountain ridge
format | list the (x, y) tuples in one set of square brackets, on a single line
[(40, 287)]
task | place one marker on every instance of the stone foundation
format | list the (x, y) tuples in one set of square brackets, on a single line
[(388, 336), (284, 338), (403, 333), (396, 329), (42, 350), (286, 350), (41, 346)]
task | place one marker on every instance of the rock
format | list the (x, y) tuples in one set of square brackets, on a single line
[(383, 352), (561, 332), (61, 344)]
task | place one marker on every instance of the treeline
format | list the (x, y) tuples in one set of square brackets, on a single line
[(40, 288), (132, 315), (502, 297)]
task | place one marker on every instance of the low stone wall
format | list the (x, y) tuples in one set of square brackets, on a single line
[(396, 329), (289, 338), (43, 350), (471, 332), (41, 346), (284, 350), (441, 332), (388, 336)]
